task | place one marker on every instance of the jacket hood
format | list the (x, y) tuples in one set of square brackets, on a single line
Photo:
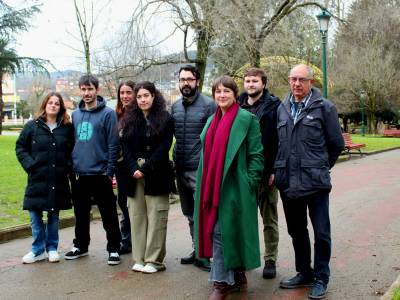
[(101, 103)]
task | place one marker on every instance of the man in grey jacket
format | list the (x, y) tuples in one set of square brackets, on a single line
[(310, 141), (190, 114), (94, 157)]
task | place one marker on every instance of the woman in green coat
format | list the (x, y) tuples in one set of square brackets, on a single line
[(229, 172)]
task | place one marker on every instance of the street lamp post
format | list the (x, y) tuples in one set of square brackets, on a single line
[(362, 102), (323, 19)]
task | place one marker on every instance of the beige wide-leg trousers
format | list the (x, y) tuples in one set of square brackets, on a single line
[(149, 217)]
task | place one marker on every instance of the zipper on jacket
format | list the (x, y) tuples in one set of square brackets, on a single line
[(184, 134)]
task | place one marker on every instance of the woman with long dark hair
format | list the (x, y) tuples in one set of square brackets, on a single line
[(147, 131), (230, 169), (125, 96), (44, 150)]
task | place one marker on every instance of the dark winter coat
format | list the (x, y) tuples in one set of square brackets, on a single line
[(265, 110), (157, 170), (189, 119), (46, 157), (307, 149)]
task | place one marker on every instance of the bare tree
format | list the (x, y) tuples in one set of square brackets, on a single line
[(366, 59), (86, 18)]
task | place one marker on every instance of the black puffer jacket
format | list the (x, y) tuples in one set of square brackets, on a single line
[(158, 172), (189, 119), (265, 110), (308, 149), (46, 157)]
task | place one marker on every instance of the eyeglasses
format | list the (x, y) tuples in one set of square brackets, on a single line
[(188, 80), (300, 79)]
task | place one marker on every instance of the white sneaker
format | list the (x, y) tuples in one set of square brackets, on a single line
[(137, 267), (149, 269), (31, 257), (54, 256)]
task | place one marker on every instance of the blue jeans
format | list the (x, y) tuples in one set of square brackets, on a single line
[(218, 272), (45, 236)]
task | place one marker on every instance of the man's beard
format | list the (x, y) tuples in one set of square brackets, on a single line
[(188, 91), (255, 94)]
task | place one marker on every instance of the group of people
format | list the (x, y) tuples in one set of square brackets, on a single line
[(232, 155)]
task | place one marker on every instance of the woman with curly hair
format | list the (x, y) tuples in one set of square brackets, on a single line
[(44, 150), (125, 96), (147, 131)]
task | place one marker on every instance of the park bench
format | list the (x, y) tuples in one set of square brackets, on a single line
[(349, 145), (391, 132)]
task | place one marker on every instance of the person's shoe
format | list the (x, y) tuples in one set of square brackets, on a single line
[(221, 290), (240, 280), (31, 258), (269, 270), (150, 268), (188, 260), (297, 281), (125, 250), (75, 253), (137, 267), (113, 259), (202, 264), (318, 290), (54, 256)]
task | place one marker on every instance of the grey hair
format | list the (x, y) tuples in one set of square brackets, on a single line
[(310, 71)]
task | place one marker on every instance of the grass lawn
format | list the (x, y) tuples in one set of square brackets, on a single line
[(12, 186), (396, 295), (374, 143)]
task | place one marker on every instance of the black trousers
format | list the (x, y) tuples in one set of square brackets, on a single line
[(186, 182), (95, 189), (296, 220), (125, 222)]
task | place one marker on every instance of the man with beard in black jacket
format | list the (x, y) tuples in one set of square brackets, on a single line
[(257, 100)]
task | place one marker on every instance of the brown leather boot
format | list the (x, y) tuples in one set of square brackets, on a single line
[(221, 290), (241, 280)]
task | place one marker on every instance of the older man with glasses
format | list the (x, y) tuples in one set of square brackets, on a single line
[(310, 141), (190, 114)]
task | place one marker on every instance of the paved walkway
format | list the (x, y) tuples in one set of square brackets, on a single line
[(365, 216)]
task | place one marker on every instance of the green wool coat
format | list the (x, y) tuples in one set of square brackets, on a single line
[(237, 212)]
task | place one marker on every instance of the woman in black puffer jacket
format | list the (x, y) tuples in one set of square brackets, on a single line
[(44, 150)]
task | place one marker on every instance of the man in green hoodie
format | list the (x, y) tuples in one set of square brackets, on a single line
[(94, 157)]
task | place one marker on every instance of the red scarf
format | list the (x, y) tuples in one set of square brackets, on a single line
[(215, 144)]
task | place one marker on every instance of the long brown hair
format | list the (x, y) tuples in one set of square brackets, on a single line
[(62, 114), (119, 108), (134, 116)]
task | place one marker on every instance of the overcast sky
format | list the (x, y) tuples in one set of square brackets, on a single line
[(56, 25)]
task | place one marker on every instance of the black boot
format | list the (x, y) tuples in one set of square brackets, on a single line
[(188, 260), (269, 271)]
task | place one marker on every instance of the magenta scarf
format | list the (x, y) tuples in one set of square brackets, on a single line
[(215, 144)]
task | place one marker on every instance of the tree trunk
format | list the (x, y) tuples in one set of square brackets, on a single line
[(345, 124), (254, 57), (87, 57), (254, 52), (371, 112), (203, 47)]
